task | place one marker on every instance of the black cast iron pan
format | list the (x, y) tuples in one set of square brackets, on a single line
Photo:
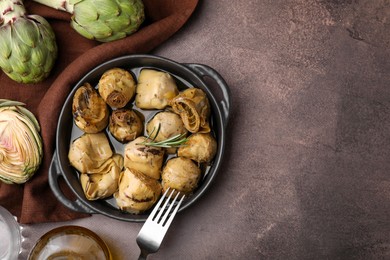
[(187, 76)]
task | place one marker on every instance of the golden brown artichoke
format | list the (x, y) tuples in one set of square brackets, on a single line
[(102, 182), (89, 152), (125, 125), (89, 110), (181, 174), (145, 159), (137, 192), (166, 125), (200, 147), (194, 109), (117, 87), (155, 89)]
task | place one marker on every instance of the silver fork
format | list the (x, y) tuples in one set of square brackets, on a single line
[(153, 231)]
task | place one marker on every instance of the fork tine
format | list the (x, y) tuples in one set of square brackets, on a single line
[(154, 211), (172, 215), (168, 210), (164, 206)]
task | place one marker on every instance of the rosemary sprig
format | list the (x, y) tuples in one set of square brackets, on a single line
[(174, 141)]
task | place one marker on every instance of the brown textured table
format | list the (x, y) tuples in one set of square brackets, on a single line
[(307, 172)]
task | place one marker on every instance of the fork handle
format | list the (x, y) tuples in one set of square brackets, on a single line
[(143, 255)]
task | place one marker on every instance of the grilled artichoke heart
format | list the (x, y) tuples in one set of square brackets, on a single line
[(145, 159), (194, 109), (20, 143), (90, 112), (102, 182), (155, 89), (170, 125), (181, 174), (137, 192), (125, 125), (89, 152), (117, 87), (200, 147)]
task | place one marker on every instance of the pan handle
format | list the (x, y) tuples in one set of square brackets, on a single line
[(206, 71), (54, 175)]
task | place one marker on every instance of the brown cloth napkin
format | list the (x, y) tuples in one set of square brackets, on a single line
[(34, 201)]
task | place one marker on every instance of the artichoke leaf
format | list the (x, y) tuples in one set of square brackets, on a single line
[(85, 13), (38, 57), (27, 31), (116, 36), (20, 50), (5, 43), (8, 103), (81, 30), (99, 29), (107, 9)]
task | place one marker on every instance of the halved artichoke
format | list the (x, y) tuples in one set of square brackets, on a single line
[(102, 182), (20, 143), (145, 159), (181, 174), (155, 89), (166, 125), (194, 109), (89, 152), (89, 110), (200, 147), (137, 192), (117, 87), (125, 125), (169, 125)]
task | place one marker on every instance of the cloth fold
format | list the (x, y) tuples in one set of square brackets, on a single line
[(34, 202)]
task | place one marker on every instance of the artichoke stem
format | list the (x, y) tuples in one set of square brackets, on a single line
[(63, 5), (10, 10)]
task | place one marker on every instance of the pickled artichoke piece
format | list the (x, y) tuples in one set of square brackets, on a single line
[(200, 147), (193, 107), (117, 87), (169, 125), (89, 152), (102, 182), (155, 89), (89, 110), (137, 192), (181, 174), (125, 125), (145, 159)]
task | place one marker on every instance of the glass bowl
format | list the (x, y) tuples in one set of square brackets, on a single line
[(10, 236), (70, 242)]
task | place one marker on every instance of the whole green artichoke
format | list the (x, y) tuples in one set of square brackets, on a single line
[(102, 20), (28, 48)]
